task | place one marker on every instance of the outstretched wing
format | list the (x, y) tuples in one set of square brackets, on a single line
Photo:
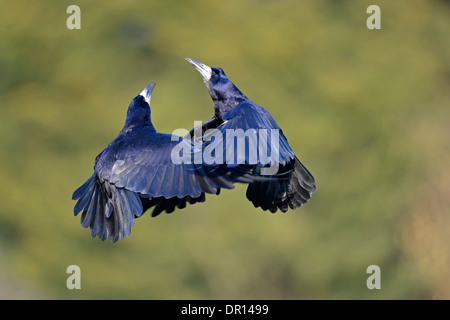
[(110, 211), (132, 176), (248, 135), (292, 184), (157, 170)]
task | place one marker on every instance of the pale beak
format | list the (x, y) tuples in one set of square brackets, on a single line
[(147, 92), (205, 71)]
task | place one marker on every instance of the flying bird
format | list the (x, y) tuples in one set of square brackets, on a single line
[(136, 172), (233, 111)]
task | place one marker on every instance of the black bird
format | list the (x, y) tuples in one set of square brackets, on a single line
[(136, 172), (233, 110)]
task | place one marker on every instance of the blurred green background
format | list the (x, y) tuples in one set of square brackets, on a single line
[(366, 111)]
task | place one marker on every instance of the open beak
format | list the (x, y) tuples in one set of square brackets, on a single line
[(147, 92), (204, 70)]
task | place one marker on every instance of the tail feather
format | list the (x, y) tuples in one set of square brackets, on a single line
[(108, 211), (294, 188)]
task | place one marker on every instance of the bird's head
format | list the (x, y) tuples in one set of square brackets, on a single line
[(138, 114), (223, 92)]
